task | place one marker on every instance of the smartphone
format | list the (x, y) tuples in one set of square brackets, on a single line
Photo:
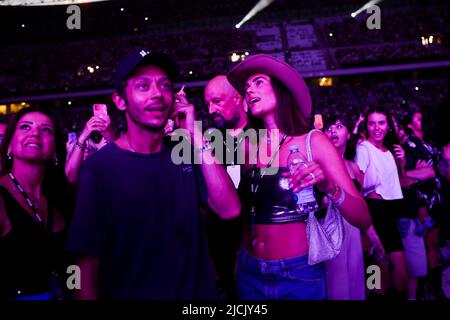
[(100, 110), (318, 122), (72, 137)]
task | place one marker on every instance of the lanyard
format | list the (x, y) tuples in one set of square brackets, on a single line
[(235, 147), (26, 197)]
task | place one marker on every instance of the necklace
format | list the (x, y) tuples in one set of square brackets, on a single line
[(254, 188), (34, 207)]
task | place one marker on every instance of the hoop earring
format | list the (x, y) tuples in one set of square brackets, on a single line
[(9, 155)]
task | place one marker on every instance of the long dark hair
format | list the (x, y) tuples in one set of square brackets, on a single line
[(408, 120), (289, 117), (391, 137), (350, 148), (54, 184)]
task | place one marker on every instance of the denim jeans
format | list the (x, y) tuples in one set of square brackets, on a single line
[(286, 279)]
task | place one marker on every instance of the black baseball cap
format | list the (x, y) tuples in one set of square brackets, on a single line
[(143, 57)]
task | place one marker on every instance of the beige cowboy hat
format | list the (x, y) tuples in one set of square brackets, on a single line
[(267, 64)]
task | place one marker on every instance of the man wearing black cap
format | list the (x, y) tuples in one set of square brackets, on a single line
[(136, 227)]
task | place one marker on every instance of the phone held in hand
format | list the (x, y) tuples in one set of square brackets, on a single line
[(318, 121), (100, 110), (72, 137)]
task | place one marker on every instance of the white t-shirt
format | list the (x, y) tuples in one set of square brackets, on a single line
[(380, 171)]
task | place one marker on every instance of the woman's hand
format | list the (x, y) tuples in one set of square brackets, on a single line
[(374, 239), (400, 154), (308, 175), (360, 119), (94, 124), (423, 163)]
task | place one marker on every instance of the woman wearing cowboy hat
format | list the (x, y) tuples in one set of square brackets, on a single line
[(273, 261)]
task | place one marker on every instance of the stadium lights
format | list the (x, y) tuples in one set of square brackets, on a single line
[(257, 8), (428, 40), (325, 82), (365, 7), (44, 2), (235, 57)]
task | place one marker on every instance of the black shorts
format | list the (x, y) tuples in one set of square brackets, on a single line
[(384, 214)]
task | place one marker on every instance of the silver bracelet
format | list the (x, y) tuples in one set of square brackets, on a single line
[(339, 201)]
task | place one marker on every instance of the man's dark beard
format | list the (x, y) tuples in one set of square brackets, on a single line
[(216, 120)]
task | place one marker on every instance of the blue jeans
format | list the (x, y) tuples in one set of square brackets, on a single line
[(286, 279)]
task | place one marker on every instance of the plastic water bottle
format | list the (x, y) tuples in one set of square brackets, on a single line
[(305, 200)]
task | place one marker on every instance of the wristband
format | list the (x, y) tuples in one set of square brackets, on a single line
[(341, 198), (80, 146)]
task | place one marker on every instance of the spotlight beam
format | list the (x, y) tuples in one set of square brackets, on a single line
[(365, 7), (262, 4)]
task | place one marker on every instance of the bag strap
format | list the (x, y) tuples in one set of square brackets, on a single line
[(308, 144)]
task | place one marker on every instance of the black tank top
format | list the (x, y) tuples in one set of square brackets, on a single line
[(28, 253), (273, 202)]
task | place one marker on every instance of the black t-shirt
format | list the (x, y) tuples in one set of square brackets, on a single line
[(140, 214), (428, 191)]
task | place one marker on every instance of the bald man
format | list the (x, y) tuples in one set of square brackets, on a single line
[(221, 98), (224, 236)]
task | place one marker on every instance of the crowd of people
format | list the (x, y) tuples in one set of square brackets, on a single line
[(346, 99), (350, 31), (273, 207), (385, 54), (205, 51)]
